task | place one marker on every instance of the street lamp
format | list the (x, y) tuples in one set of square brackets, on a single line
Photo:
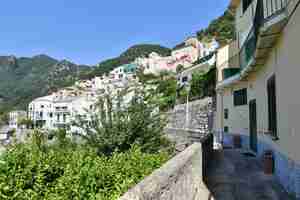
[(188, 89)]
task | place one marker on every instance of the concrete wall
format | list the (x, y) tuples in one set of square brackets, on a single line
[(180, 178)]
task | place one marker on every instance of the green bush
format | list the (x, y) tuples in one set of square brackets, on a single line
[(130, 117), (73, 172)]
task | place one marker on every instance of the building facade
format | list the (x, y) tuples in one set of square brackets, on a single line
[(15, 117), (258, 98), (186, 55)]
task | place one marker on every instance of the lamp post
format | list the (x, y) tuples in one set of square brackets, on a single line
[(188, 89)]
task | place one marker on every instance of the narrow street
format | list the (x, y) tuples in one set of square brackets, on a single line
[(234, 176)]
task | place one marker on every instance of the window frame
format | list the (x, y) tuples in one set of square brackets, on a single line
[(226, 113), (240, 97)]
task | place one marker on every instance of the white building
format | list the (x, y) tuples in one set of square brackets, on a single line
[(40, 111), (55, 111), (14, 118)]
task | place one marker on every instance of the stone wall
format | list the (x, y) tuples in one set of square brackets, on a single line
[(184, 130), (183, 138), (180, 178), (196, 119)]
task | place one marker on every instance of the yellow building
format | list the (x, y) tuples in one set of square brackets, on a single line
[(258, 89)]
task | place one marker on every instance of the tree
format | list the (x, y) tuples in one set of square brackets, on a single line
[(203, 84), (179, 68), (4, 119), (131, 117), (167, 90), (25, 121)]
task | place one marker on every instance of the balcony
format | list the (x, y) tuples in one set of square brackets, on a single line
[(270, 18), (62, 110)]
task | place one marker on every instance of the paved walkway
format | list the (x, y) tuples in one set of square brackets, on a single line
[(234, 176)]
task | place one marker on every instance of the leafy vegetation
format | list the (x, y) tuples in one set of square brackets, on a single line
[(120, 145), (203, 84), (167, 89), (130, 117), (222, 28), (64, 170)]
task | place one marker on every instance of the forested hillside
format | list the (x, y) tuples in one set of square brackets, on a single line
[(221, 28), (23, 79)]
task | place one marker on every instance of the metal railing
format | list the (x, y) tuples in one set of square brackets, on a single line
[(272, 7), (265, 10)]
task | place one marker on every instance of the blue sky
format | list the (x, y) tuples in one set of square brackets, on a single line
[(88, 31)]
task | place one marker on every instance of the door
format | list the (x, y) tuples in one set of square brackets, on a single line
[(271, 88), (253, 125)]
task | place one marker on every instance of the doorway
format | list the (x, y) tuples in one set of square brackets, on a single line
[(253, 125)]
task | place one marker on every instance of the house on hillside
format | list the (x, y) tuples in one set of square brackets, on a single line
[(15, 117), (59, 111), (40, 111), (185, 54), (258, 95), (203, 65)]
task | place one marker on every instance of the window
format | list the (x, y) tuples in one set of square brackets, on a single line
[(184, 79), (272, 111), (42, 106), (51, 115), (240, 97), (246, 4), (64, 118), (226, 113), (226, 129)]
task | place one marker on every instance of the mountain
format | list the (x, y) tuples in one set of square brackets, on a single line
[(129, 56), (222, 28), (23, 79)]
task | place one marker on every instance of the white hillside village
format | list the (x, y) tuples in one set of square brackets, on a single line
[(61, 108)]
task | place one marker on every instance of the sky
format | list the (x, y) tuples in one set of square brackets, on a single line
[(89, 31)]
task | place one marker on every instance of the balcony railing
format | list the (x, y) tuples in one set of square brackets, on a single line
[(274, 7), (265, 11)]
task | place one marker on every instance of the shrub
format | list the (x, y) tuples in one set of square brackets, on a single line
[(130, 117), (73, 172)]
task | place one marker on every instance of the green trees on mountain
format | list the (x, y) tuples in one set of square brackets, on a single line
[(23, 79), (222, 28)]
